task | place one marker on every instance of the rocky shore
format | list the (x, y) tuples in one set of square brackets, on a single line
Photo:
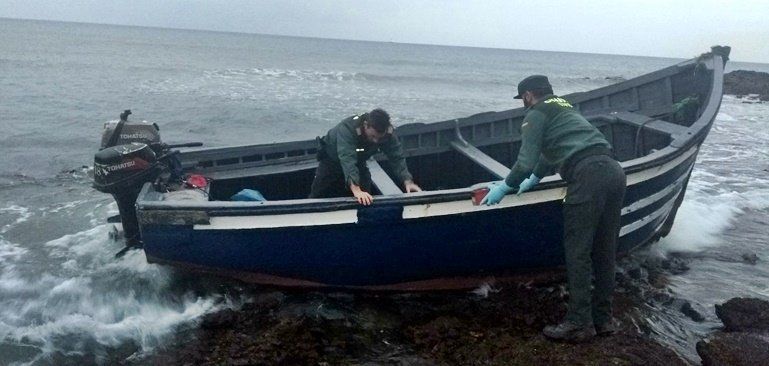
[(490, 326), (744, 82), (744, 340), (424, 329)]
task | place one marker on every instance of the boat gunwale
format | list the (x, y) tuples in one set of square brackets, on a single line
[(235, 208)]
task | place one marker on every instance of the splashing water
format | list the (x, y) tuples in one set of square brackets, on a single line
[(78, 298), (721, 222)]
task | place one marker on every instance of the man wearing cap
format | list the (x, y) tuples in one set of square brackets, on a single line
[(555, 137), (343, 152)]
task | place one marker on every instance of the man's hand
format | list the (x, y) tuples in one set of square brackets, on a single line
[(528, 183), (363, 197), (497, 191), (410, 186)]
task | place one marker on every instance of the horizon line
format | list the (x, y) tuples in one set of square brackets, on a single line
[(353, 40)]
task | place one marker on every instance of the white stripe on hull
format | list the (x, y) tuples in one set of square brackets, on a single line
[(650, 173), (635, 225), (646, 201), (433, 209), (274, 221)]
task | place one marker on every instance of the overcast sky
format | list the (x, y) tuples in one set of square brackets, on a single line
[(667, 28)]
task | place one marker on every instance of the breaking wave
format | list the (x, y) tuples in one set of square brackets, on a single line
[(713, 202), (76, 297), (699, 223), (268, 73), (729, 179), (22, 214)]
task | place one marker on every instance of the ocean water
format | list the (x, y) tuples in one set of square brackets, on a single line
[(64, 298)]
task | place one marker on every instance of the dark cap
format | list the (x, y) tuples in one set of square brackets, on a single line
[(531, 83)]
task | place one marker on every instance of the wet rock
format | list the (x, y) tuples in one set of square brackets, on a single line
[(743, 82), (750, 258), (652, 270), (638, 273), (739, 314), (265, 302), (502, 328), (687, 309), (530, 319), (675, 265), (630, 272), (734, 349), (745, 340), (662, 297), (223, 319), (658, 279)]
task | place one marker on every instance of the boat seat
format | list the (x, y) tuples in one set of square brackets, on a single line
[(306, 164), (380, 178), (479, 157), (646, 122)]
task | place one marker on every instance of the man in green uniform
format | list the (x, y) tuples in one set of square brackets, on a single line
[(343, 153), (556, 137)]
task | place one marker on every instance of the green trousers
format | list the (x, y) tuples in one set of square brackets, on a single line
[(329, 180), (592, 210)]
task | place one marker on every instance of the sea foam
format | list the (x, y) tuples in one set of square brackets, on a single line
[(83, 296)]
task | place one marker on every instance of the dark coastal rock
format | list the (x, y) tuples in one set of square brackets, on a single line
[(743, 82), (687, 309), (655, 269), (501, 328), (223, 319), (638, 273), (745, 340), (662, 297), (734, 349), (741, 314), (750, 258), (265, 302), (675, 265)]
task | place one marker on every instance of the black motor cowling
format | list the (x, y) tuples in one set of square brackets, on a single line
[(120, 168)]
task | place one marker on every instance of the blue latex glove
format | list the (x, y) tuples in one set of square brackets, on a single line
[(528, 183), (497, 191)]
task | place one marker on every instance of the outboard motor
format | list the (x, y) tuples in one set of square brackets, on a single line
[(131, 155), (128, 158)]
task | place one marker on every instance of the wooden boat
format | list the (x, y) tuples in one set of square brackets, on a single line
[(435, 239)]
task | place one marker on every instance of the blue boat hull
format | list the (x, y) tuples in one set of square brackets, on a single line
[(384, 250)]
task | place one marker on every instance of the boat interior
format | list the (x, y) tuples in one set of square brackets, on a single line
[(638, 117)]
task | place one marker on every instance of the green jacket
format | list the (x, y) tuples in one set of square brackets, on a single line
[(345, 144), (551, 132)]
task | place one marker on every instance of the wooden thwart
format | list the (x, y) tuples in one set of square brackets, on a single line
[(380, 178), (264, 170), (640, 120), (479, 157)]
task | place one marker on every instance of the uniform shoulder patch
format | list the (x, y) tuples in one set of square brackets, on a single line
[(560, 101)]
